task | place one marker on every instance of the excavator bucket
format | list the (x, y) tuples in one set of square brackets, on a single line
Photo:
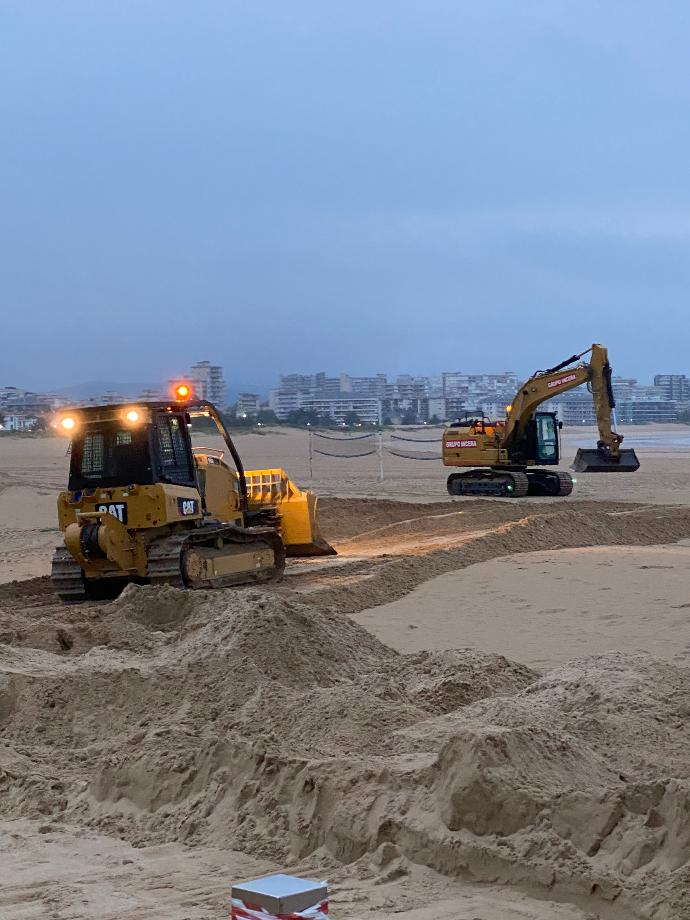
[(296, 508), (593, 460)]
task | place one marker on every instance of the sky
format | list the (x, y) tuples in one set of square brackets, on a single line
[(365, 186)]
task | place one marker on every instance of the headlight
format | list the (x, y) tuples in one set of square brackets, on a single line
[(132, 415), (68, 423)]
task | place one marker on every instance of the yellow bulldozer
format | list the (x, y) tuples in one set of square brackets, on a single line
[(503, 455), (143, 505)]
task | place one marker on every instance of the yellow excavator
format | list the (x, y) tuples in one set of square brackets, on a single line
[(502, 455), (143, 505)]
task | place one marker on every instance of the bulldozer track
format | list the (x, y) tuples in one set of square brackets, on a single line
[(166, 562), (66, 577), (166, 559)]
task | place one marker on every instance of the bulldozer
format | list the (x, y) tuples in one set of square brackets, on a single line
[(504, 455), (143, 505)]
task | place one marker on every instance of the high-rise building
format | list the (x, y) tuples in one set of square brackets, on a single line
[(207, 380), (673, 386), (248, 404), (369, 386)]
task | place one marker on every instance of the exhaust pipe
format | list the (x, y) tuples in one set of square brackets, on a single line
[(594, 460)]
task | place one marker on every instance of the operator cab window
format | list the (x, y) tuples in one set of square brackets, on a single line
[(547, 438), (107, 455), (93, 455), (173, 453)]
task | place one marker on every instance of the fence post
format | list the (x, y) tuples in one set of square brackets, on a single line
[(311, 455), (379, 447)]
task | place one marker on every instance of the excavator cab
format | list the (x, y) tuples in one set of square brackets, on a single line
[(546, 442)]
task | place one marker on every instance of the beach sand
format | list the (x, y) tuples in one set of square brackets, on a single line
[(476, 711)]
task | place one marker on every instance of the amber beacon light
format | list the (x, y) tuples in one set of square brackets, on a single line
[(183, 391)]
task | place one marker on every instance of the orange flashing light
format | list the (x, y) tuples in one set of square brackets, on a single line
[(183, 391)]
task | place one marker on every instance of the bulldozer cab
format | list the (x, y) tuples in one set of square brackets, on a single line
[(111, 451)]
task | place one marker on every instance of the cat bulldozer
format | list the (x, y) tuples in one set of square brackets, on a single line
[(143, 505), (503, 457)]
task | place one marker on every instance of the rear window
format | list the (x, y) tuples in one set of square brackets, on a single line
[(109, 455), (93, 455)]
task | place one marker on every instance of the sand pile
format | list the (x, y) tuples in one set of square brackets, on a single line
[(252, 719)]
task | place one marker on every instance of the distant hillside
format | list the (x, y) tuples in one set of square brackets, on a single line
[(94, 388)]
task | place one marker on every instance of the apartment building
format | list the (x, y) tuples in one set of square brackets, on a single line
[(339, 405), (673, 386), (248, 404), (207, 380)]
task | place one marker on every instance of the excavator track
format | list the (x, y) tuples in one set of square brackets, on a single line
[(489, 483), (549, 482), (566, 484)]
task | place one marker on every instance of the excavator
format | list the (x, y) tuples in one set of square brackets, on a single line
[(502, 455), (143, 505)]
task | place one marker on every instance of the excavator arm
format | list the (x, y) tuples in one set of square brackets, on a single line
[(596, 373)]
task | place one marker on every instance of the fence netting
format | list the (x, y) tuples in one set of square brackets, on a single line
[(420, 435), (412, 454), (361, 445), (351, 447)]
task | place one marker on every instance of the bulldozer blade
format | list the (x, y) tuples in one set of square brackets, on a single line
[(296, 508), (300, 528), (592, 460)]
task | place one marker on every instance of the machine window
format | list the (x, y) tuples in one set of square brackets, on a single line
[(172, 451), (171, 442), (178, 441), (547, 437), (110, 456), (165, 444), (93, 455)]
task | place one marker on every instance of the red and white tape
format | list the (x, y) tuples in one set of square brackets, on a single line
[(245, 911)]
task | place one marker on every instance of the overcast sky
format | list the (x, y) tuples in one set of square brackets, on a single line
[(371, 185)]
